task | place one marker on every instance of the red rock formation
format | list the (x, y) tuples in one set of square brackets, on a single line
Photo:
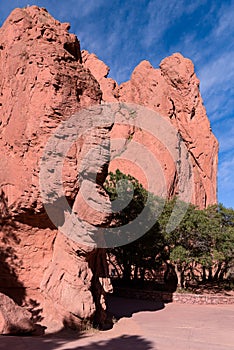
[(13, 318), (100, 71), (43, 82), (173, 92)]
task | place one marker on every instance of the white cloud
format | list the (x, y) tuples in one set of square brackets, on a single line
[(218, 73), (76, 9), (213, 55), (225, 23), (225, 129), (226, 183), (162, 15)]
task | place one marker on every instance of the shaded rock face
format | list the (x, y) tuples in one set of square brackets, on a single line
[(42, 82), (173, 92), (13, 318)]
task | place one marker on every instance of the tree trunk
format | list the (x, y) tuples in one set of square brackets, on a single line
[(182, 278), (216, 275), (203, 274), (142, 273), (127, 273), (126, 268), (223, 272), (136, 273), (210, 276)]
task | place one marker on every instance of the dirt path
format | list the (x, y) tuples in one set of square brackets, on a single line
[(146, 326)]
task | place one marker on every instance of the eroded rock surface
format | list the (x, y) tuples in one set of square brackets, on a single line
[(13, 318), (172, 91), (42, 82)]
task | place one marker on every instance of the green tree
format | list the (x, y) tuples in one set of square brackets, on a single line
[(188, 242), (222, 225), (201, 247), (146, 252)]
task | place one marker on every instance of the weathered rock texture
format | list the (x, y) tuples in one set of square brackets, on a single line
[(43, 82), (13, 318), (173, 92)]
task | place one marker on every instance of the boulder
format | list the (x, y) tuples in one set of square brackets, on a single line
[(14, 320)]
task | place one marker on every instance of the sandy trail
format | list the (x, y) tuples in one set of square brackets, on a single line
[(146, 326)]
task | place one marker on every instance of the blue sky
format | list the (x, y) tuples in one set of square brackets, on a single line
[(122, 33)]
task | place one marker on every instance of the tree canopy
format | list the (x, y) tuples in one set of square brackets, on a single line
[(201, 247)]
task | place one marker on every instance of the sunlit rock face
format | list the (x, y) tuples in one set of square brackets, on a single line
[(42, 83), (44, 80), (173, 92)]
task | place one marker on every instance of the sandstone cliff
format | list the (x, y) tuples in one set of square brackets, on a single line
[(44, 80), (172, 91)]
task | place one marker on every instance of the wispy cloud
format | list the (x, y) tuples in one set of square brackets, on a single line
[(226, 176), (213, 55), (226, 183), (225, 24), (217, 73), (76, 9), (217, 87), (161, 16), (63, 10), (225, 130)]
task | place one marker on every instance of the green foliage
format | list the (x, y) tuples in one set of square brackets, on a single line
[(180, 254), (126, 188), (204, 240), (136, 257), (201, 247)]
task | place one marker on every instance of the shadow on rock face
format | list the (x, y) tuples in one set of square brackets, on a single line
[(9, 262)]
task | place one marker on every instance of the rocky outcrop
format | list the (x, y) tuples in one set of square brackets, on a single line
[(100, 71), (172, 91), (13, 318), (42, 83)]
